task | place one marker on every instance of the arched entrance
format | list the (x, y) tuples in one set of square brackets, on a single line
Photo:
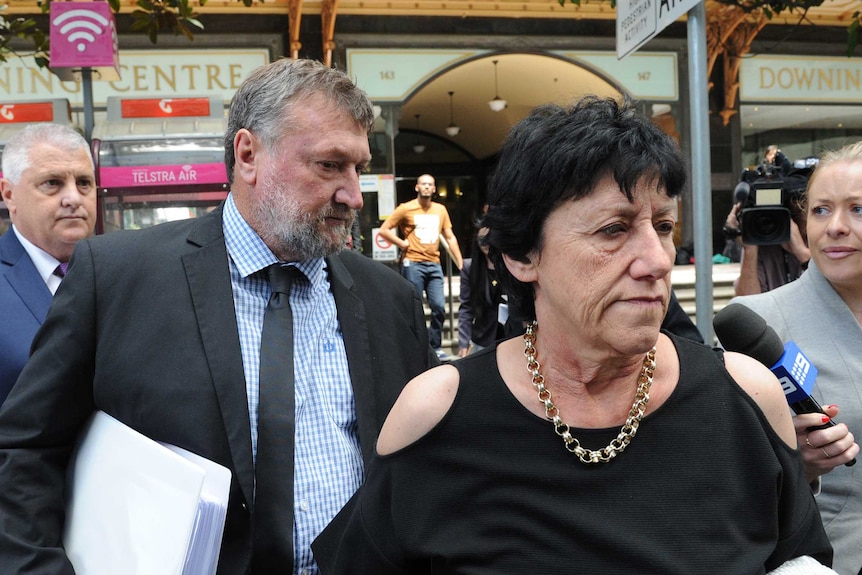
[(462, 162), (414, 134)]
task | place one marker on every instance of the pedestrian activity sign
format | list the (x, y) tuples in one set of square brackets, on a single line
[(638, 21)]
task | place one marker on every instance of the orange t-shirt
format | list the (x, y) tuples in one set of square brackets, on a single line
[(421, 228)]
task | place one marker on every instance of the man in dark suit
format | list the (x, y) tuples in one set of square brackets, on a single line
[(49, 188), (161, 328)]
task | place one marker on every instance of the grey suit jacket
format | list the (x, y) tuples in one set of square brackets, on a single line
[(143, 328), (810, 312), (24, 302)]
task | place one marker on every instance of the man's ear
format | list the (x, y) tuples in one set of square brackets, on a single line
[(6, 194), (523, 271), (247, 149)]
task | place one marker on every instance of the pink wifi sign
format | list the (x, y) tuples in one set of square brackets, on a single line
[(83, 34)]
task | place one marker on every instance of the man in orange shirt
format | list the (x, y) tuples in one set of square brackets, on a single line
[(421, 223)]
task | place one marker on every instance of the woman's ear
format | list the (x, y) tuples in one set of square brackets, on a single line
[(523, 271)]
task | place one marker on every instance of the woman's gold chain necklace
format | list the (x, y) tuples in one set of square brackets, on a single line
[(627, 431)]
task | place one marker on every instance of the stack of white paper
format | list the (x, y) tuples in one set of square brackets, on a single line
[(202, 556), (138, 506)]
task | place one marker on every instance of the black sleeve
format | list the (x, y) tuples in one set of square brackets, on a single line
[(678, 323), (361, 538), (800, 528), (465, 310), (39, 423)]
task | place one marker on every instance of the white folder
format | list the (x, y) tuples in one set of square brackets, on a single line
[(140, 507)]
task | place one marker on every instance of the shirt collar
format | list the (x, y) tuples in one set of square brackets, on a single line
[(250, 254), (45, 263)]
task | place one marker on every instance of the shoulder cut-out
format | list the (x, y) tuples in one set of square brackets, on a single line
[(421, 405), (764, 388)]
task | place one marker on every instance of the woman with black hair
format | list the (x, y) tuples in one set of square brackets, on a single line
[(595, 442), (481, 296)]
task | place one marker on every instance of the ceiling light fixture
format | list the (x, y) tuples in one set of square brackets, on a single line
[(418, 148), (498, 104), (452, 129)]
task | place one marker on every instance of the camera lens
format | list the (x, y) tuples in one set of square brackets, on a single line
[(766, 225)]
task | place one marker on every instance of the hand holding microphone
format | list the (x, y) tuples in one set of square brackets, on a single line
[(742, 330)]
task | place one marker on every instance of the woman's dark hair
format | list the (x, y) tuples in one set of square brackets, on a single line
[(558, 154)]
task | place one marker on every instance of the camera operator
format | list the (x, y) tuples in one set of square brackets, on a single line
[(774, 162), (765, 266)]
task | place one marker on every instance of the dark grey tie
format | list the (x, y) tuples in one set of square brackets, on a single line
[(273, 505)]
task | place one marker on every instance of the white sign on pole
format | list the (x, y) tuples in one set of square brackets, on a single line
[(384, 185), (638, 21), (382, 250)]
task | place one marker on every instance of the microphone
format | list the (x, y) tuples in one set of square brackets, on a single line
[(740, 193), (740, 329)]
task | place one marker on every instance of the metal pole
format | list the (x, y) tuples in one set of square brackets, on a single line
[(701, 169), (87, 93)]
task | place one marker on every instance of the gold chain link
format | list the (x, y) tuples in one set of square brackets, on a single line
[(627, 431)]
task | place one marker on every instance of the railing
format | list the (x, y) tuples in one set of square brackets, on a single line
[(452, 298)]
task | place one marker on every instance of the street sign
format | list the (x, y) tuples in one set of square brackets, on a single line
[(638, 21), (382, 250)]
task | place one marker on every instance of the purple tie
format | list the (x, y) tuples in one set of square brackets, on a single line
[(61, 269)]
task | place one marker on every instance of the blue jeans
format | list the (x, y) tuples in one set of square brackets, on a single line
[(427, 277)]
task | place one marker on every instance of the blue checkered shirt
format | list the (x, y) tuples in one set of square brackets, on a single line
[(327, 459)]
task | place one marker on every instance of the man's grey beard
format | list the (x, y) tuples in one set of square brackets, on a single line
[(294, 235)]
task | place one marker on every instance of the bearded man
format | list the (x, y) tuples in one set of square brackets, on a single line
[(166, 330)]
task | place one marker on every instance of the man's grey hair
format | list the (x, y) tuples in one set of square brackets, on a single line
[(265, 101), (16, 153)]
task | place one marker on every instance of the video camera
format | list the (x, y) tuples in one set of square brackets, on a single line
[(768, 198)]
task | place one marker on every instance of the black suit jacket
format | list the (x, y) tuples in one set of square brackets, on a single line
[(143, 328)]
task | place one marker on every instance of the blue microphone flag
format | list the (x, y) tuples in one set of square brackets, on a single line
[(796, 373)]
